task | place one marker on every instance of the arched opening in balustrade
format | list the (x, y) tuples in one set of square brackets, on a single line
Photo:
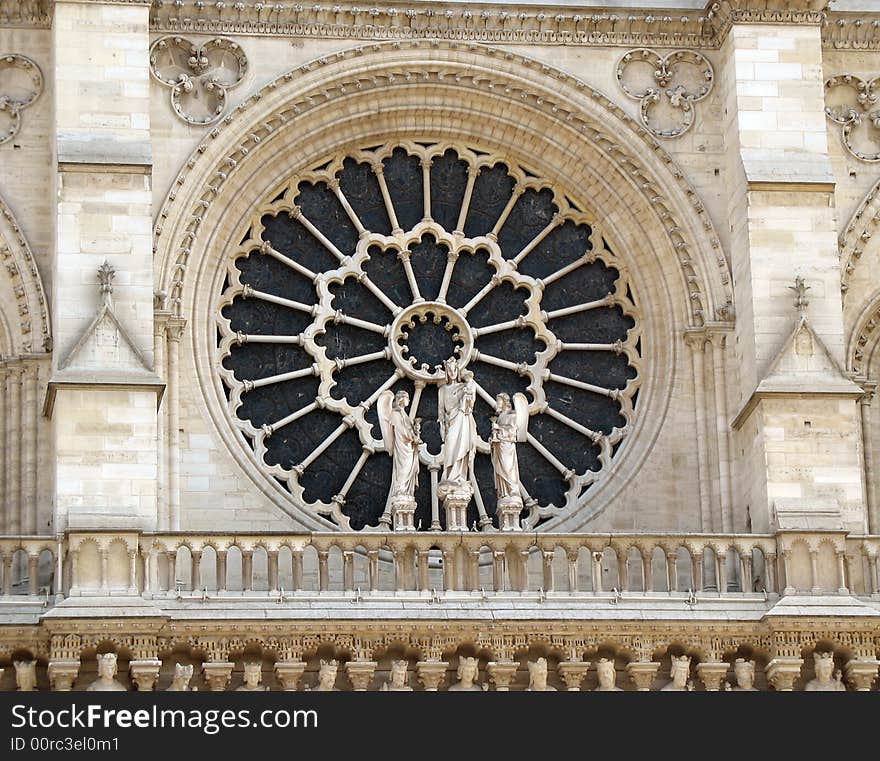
[(585, 570), (285, 568), (611, 573), (88, 563), (535, 568), (759, 571), (463, 576), (659, 570), (208, 568), (182, 568), (560, 570), (335, 569), (710, 570), (259, 581), (406, 569), (389, 565), (360, 568), (234, 575), (310, 568), (733, 570), (798, 569), (634, 570), (45, 571), (684, 570), (485, 569)]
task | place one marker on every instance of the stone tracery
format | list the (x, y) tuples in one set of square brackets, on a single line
[(393, 259)]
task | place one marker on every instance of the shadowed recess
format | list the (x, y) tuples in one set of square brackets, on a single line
[(268, 404), (470, 274), (604, 325), (322, 208), (361, 189), (288, 236), (449, 177), (562, 246), (589, 282), (356, 301), (531, 213), (265, 273), (428, 259), (291, 444), (492, 190), (403, 175), (263, 317)]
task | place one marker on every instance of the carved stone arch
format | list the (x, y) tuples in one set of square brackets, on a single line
[(460, 95), (855, 237), (863, 340), (24, 312)]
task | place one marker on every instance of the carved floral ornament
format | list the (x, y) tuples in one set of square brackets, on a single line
[(21, 83), (198, 75), (852, 103), (368, 272), (667, 87)]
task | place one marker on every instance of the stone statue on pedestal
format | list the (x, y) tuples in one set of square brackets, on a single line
[(182, 675), (538, 677), (106, 671), (397, 678), (467, 677), (607, 676), (25, 675), (508, 427), (679, 671), (455, 408), (253, 675), (401, 437), (826, 679)]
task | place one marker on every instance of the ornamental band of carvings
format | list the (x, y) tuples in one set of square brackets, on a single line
[(666, 87), (373, 271), (852, 103), (21, 83), (198, 75)]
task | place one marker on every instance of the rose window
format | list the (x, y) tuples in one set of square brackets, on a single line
[(367, 272)]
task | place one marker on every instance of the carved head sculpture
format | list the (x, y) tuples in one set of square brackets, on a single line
[(467, 670), (538, 673), (398, 673), (744, 671), (253, 673), (327, 674), (106, 665), (182, 674), (502, 402), (680, 670), (450, 367), (401, 400), (26, 675), (824, 665), (606, 672)]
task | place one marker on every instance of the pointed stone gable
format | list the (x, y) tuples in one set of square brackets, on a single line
[(105, 346)]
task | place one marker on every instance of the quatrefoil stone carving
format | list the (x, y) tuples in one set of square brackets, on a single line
[(198, 75), (21, 83), (851, 102), (667, 87)]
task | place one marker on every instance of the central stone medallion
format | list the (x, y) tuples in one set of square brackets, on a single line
[(426, 334)]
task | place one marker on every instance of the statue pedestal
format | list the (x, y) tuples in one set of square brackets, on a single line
[(782, 673), (217, 674), (144, 673), (403, 510), (431, 674), (502, 673), (573, 673), (642, 673), (289, 674), (712, 674), (456, 498), (509, 509), (62, 675), (861, 673), (361, 674)]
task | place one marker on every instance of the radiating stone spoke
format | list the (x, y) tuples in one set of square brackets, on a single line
[(451, 259), (610, 393), (511, 202), (519, 322), (362, 359), (270, 428), (417, 398), (379, 171), (566, 472), (473, 173), (404, 257), (553, 223), (595, 436), (268, 250), (617, 347), (249, 385), (371, 399), (518, 367), (483, 292), (392, 307), (349, 482), (323, 446), (247, 293), (358, 323), (588, 258), (607, 301), (263, 338), (352, 215), (317, 234), (478, 501)]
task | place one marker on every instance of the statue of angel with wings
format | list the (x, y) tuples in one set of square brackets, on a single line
[(402, 437)]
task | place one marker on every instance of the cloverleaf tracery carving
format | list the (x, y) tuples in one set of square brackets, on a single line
[(852, 103), (198, 75), (21, 83), (667, 87)]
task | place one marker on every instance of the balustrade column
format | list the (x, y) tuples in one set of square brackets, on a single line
[(348, 570), (498, 570), (815, 587), (597, 572), (323, 570), (449, 574), (647, 570), (148, 557), (221, 570), (58, 580), (247, 570), (424, 579), (770, 571), (697, 570), (272, 569), (547, 558), (296, 567), (105, 570), (195, 572), (474, 570), (373, 566), (7, 573), (786, 567), (671, 572), (572, 558), (745, 564), (721, 571), (875, 578), (171, 570), (622, 570), (841, 573), (132, 572), (524, 571)]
